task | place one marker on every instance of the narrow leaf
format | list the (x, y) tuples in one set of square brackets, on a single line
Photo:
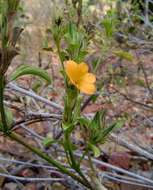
[(47, 142), (30, 70), (124, 55), (95, 150)]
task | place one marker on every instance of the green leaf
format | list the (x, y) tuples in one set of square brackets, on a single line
[(30, 70), (107, 130), (47, 142), (9, 118), (120, 123), (107, 23), (81, 56), (124, 55), (36, 85), (83, 121), (140, 82), (46, 45), (67, 127), (1, 125), (97, 126), (120, 81), (95, 150), (98, 120), (110, 22)]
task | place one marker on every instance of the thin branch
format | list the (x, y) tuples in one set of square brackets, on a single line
[(16, 88), (28, 122), (126, 181), (32, 164), (49, 159), (33, 117), (131, 146), (145, 74), (41, 114), (30, 179), (107, 165), (32, 132), (131, 100), (124, 177), (12, 106), (5, 170)]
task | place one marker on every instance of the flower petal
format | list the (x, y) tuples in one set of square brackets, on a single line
[(75, 71), (70, 67), (83, 68), (86, 84), (71, 71), (79, 76), (89, 78), (87, 88)]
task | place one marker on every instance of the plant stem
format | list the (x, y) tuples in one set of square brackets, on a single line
[(50, 160), (2, 109), (79, 12), (72, 158), (91, 165), (74, 164), (68, 120), (61, 60), (94, 178), (41, 154)]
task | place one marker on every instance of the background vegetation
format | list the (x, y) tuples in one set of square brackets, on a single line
[(114, 38)]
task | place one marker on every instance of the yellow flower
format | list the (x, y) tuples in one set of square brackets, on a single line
[(80, 77)]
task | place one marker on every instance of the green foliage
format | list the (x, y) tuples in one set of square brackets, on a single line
[(72, 39), (76, 43), (97, 127), (120, 123), (95, 149), (28, 69), (57, 31), (68, 127), (110, 22), (9, 118), (36, 85), (8, 11), (124, 55), (97, 131), (140, 82), (48, 141)]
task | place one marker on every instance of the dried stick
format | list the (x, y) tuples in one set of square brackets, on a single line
[(126, 181), (30, 179), (34, 95), (107, 165), (145, 74), (131, 146)]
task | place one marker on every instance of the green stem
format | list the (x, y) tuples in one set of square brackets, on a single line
[(50, 160), (69, 147), (91, 164), (70, 105), (35, 150), (84, 178), (74, 164), (61, 60), (59, 53), (2, 109), (82, 157)]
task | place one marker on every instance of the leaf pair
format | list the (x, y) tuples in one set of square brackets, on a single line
[(97, 130)]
